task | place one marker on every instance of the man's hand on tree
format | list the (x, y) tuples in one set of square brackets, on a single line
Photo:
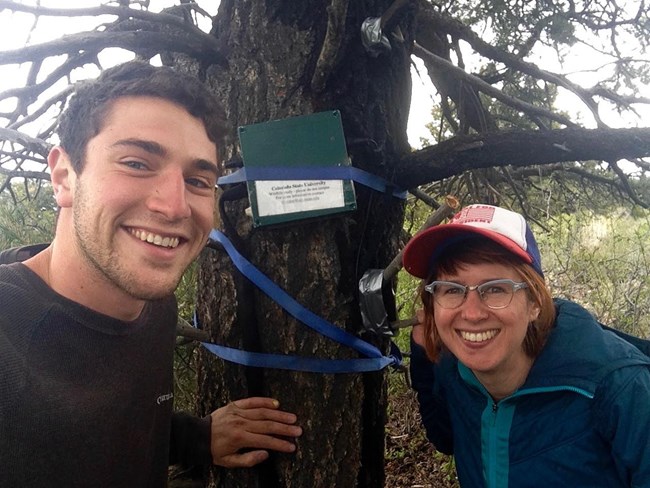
[(244, 431)]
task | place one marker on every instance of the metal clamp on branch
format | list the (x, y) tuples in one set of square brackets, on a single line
[(376, 283), (374, 29)]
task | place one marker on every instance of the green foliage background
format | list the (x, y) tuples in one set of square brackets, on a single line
[(603, 263), (27, 214)]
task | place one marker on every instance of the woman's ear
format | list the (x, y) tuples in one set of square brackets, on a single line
[(63, 176), (534, 312)]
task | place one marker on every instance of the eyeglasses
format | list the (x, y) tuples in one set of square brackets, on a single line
[(494, 294)]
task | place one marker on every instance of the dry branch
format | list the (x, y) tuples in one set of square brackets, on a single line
[(140, 41), (34, 175), (120, 12), (520, 148), (447, 209), (459, 30), (31, 144), (336, 14), (488, 89)]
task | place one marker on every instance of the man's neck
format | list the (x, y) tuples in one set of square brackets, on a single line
[(77, 280)]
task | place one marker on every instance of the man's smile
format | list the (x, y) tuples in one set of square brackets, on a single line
[(155, 239)]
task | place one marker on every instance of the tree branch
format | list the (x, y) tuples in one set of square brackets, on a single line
[(625, 182), (185, 329), (31, 144), (520, 148), (139, 41), (487, 88), (337, 12), (394, 14), (45, 106), (120, 12), (35, 175), (460, 30)]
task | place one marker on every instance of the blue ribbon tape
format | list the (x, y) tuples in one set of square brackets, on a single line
[(313, 173), (374, 360)]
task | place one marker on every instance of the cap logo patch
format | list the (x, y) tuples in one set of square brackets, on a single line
[(475, 213)]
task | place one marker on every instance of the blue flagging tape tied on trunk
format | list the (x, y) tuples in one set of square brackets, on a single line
[(374, 360), (313, 173)]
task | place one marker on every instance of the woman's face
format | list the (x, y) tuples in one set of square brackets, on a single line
[(487, 341)]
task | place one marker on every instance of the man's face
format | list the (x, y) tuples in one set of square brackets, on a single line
[(143, 204)]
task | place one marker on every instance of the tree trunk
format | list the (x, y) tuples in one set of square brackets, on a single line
[(273, 48)]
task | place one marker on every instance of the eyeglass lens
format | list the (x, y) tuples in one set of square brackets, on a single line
[(495, 294)]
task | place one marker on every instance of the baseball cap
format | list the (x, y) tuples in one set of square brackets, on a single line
[(506, 228)]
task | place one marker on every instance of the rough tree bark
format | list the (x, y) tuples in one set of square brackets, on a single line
[(273, 50)]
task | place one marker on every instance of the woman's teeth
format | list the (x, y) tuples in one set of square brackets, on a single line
[(478, 336)]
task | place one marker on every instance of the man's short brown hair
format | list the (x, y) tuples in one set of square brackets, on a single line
[(84, 116)]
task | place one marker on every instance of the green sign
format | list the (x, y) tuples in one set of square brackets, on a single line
[(307, 141)]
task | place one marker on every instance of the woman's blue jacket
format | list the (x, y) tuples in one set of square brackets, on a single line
[(581, 419)]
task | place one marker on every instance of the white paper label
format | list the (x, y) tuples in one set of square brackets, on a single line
[(284, 197)]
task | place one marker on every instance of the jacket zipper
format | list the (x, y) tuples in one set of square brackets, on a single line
[(491, 473)]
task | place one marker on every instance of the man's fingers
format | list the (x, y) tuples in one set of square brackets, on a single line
[(268, 442), (251, 423), (266, 414), (257, 402), (261, 445), (273, 428), (259, 408), (244, 460), (275, 438)]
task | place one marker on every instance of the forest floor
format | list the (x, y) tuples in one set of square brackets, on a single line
[(410, 460)]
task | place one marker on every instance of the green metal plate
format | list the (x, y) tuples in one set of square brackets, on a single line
[(305, 141)]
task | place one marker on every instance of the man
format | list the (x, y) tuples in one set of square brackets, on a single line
[(87, 326)]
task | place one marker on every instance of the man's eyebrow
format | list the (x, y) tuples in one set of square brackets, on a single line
[(149, 146), (205, 165), (153, 147)]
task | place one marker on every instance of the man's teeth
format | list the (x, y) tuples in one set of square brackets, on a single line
[(156, 239), (478, 336)]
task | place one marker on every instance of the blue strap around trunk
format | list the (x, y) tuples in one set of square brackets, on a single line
[(298, 363), (374, 360), (313, 173)]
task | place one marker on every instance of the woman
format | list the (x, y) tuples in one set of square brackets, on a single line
[(524, 391)]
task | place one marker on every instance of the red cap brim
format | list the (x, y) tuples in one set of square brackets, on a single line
[(418, 253)]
